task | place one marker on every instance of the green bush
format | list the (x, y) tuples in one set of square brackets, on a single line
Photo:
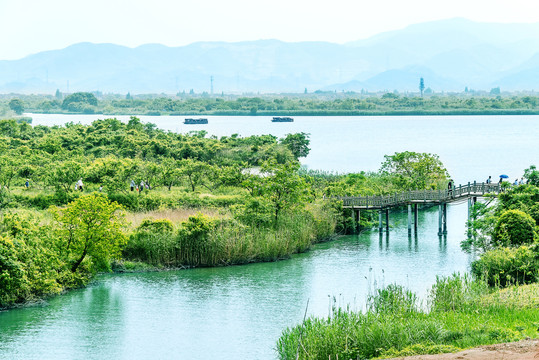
[(514, 228), (13, 282), (508, 266), (153, 242)]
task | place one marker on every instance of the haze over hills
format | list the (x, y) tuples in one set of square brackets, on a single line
[(450, 55)]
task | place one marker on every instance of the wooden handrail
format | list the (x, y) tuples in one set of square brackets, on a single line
[(414, 196)]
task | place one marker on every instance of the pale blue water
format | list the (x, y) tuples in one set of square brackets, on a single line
[(471, 147), (239, 312), (233, 312)]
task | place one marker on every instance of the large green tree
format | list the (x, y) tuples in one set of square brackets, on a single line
[(415, 171), (90, 227), (298, 144), (79, 101), (17, 105)]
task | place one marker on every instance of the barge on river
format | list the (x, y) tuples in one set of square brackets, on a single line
[(282, 119), (195, 121)]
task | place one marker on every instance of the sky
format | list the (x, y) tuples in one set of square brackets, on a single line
[(31, 26)]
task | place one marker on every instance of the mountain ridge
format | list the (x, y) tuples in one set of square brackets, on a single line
[(449, 54)]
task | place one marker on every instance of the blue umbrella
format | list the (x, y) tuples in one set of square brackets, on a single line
[(503, 176)]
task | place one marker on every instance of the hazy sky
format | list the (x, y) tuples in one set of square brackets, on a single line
[(30, 26)]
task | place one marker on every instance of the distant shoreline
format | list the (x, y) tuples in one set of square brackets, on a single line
[(464, 112)]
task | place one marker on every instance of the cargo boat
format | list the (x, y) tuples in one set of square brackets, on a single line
[(195, 121), (282, 119)]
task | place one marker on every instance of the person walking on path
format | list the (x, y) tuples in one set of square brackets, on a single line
[(80, 186), (132, 185)]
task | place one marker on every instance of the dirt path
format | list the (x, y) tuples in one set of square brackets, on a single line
[(522, 350)]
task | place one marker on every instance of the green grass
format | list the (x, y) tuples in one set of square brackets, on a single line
[(460, 314), (203, 241)]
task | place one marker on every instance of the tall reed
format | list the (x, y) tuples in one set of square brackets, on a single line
[(461, 314)]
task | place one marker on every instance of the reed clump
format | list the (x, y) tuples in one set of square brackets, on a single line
[(202, 240), (460, 313)]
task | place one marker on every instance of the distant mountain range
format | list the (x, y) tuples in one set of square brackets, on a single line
[(450, 55)]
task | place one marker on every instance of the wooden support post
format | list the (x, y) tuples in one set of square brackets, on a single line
[(380, 224), (387, 219), (445, 218), (469, 216), (440, 220), (409, 219), (358, 220), (415, 218), (354, 220)]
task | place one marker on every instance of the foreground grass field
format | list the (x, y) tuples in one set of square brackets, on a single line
[(460, 314)]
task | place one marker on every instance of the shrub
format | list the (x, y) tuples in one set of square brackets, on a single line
[(514, 228), (507, 266), (153, 242), (13, 281)]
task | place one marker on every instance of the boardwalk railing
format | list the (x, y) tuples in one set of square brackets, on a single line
[(421, 196)]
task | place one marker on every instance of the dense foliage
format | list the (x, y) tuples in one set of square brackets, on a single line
[(268, 206), (506, 234), (318, 103)]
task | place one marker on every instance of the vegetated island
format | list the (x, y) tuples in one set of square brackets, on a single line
[(313, 104), (76, 200)]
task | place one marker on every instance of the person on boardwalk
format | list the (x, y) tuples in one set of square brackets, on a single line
[(516, 182), (489, 180), (450, 188)]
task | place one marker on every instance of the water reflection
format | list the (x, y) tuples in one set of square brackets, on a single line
[(231, 312)]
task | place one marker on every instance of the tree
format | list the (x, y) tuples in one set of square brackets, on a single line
[(90, 227), (280, 185), (298, 144), (421, 86), (195, 171), (532, 174), (514, 228), (169, 173), (415, 171), (8, 170), (76, 101), (63, 175), (17, 105)]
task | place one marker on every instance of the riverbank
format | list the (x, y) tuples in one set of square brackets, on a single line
[(461, 314), (520, 350)]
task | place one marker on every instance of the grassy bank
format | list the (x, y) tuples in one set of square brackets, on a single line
[(43, 253), (206, 241), (460, 314)]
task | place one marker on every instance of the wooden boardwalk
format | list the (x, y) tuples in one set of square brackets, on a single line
[(411, 199), (462, 192)]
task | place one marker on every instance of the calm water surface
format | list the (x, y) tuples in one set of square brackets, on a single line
[(471, 147), (239, 312), (234, 312)]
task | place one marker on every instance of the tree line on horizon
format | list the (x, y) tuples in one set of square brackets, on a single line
[(309, 104)]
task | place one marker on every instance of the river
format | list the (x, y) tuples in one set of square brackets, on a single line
[(238, 312)]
